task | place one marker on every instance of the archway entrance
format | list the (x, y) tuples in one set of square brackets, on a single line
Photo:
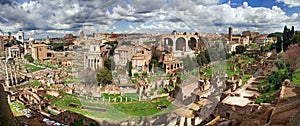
[(192, 43), (180, 44)]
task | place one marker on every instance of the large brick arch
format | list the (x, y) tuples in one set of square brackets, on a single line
[(180, 44), (169, 40), (192, 43)]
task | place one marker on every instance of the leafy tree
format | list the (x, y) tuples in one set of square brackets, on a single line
[(292, 31), (189, 63), (240, 49), (285, 38), (295, 39), (57, 46), (153, 62), (207, 56), (104, 76), (287, 35), (136, 75), (109, 64), (203, 58), (28, 58), (277, 77), (68, 43), (276, 34), (267, 47)]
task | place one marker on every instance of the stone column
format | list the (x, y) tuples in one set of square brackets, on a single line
[(182, 120), (186, 45), (197, 120), (174, 44), (7, 74), (189, 121), (16, 80), (11, 75)]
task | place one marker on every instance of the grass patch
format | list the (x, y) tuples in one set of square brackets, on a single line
[(246, 77), (17, 107), (34, 83), (132, 96), (47, 65), (162, 91), (142, 108), (49, 111), (114, 111), (48, 96), (264, 99), (32, 68), (152, 91)]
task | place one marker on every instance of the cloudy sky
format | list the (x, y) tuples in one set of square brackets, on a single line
[(57, 17)]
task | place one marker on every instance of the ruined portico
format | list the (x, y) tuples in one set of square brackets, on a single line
[(181, 44)]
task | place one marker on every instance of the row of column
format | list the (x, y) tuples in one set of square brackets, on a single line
[(92, 62), (11, 74)]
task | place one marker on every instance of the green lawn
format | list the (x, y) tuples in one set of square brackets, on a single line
[(48, 111), (47, 65), (114, 112), (34, 83), (32, 68), (143, 108), (132, 96), (246, 77), (17, 107), (48, 96)]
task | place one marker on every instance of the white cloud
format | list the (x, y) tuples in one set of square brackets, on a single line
[(290, 3), (206, 2), (130, 26), (150, 16)]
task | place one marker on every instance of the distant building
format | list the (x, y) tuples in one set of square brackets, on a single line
[(14, 52), (171, 64), (48, 40), (122, 55), (141, 59), (69, 36), (81, 35), (94, 57), (39, 52), (262, 40), (20, 36)]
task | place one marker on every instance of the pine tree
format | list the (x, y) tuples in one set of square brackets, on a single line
[(278, 44)]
